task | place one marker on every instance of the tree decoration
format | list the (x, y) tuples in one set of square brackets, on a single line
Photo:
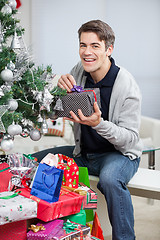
[(3, 109), (25, 89)]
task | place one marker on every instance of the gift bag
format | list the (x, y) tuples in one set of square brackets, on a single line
[(96, 229), (47, 183), (83, 177), (71, 171), (5, 176), (22, 167)]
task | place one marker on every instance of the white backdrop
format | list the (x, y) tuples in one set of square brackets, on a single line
[(135, 23)]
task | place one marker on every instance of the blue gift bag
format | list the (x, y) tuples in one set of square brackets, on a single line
[(47, 183)]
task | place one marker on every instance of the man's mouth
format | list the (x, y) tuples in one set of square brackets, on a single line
[(89, 59)]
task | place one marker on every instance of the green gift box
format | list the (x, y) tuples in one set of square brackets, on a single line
[(78, 217)]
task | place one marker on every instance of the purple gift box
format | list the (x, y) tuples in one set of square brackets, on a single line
[(51, 228)]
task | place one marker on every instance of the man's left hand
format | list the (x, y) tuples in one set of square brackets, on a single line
[(92, 120)]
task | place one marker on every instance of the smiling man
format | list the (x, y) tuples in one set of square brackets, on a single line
[(107, 142)]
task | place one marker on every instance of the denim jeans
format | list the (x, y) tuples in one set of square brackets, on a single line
[(114, 171)]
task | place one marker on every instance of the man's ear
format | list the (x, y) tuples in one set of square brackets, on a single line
[(109, 50)]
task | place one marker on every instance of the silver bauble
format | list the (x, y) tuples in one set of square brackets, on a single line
[(19, 129), (12, 4), (7, 144), (6, 9), (14, 129), (12, 105), (7, 75), (35, 134), (11, 66), (53, 115)]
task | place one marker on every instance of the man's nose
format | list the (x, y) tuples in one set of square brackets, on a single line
[(87, 50)]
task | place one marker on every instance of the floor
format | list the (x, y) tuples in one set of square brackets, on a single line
[(147, 219)]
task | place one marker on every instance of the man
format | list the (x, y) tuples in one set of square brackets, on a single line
[(107, 142)]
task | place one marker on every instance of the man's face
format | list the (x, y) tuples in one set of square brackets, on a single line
[(92, 52)]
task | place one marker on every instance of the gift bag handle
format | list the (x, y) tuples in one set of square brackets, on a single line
[(48, 172), (65, 158)]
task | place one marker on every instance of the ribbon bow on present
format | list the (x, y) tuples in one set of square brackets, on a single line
[(36, 228), (77, 88), (69, 227)]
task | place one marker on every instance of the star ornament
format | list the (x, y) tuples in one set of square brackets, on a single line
[(3, 110)]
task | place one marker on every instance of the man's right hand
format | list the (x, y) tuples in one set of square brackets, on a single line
[(66, 82)]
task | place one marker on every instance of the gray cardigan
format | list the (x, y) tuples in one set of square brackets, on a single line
[(122, 129)]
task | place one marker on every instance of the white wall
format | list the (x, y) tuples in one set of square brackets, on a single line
[(54, 37), (24, 14)]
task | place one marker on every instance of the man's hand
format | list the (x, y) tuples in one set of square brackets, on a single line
[(66, 82), (92, 120)]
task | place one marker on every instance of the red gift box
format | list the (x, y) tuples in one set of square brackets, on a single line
[(71, 171), (69, 203), (14, 231), (5, 176)]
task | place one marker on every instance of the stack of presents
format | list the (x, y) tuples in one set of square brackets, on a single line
[(46, 200)]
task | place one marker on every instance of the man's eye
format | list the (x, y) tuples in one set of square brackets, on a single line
[(82, 45), (95, 46)]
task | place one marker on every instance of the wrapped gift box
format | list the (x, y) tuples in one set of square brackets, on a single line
[(16, 208), (71, 230), (14, 231), (52, 227), (79, 100), (68, 203), (90, 199), (56, 230)]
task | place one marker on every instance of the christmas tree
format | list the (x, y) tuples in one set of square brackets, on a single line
[(26, 96)]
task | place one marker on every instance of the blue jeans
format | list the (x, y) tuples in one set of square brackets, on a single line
[(114, 171)]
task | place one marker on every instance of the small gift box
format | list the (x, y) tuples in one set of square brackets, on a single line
[(43, 230), (47, 183), (90, 199), (79, 99), (71, 230), (14, 207), (68, 203), (71, 171)]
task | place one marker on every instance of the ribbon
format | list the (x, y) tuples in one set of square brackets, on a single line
[(24, 181), (80, 89), (4, 169), (29, 156), (77, 88), (69, 226), (11, 196), (36, 228)]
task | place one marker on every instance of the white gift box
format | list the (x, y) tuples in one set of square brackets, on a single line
[(16, 208)]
